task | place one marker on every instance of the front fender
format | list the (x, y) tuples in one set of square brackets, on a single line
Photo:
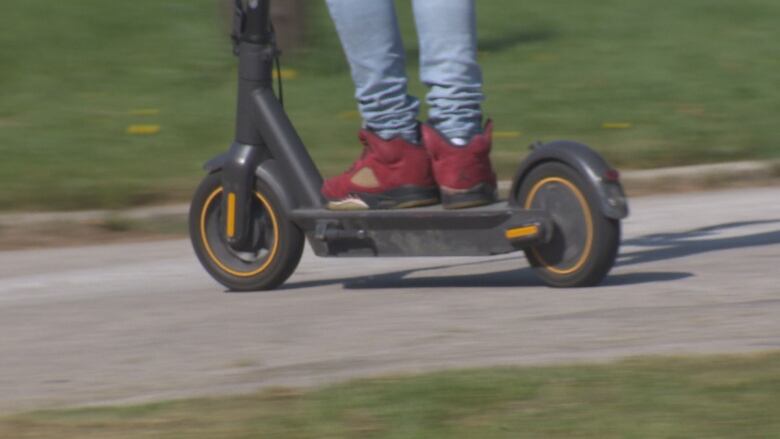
[(215, 164), (593, 168), (269, 171)]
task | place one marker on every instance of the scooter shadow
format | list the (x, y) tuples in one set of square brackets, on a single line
[(512, 278), (678, 245), (665, 246)]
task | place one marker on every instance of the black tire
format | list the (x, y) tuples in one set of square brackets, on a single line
[(584, 242), (278, 243)]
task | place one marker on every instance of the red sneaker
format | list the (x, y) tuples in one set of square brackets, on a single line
[(390, 174), (464, 174)]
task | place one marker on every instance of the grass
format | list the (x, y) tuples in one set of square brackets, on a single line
[(648, 83), (700, 397)]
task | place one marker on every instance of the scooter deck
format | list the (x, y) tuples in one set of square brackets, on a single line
[(424, 231)]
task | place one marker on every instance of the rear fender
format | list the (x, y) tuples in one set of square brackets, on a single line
[(590, 165)]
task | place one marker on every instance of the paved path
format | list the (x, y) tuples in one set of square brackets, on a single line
[(115, 324)]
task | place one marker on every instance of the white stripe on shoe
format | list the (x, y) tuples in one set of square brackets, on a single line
[(349, 203)]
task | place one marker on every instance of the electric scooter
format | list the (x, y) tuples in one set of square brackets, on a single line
[(260, 202)]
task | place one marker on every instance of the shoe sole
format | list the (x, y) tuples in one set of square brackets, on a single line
[(348, 204), (478, 195), (404, 197)]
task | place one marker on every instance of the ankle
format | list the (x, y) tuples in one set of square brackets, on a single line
[(410, 136)]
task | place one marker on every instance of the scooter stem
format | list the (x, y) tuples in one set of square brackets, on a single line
[(253, 42), (263, 129), (252, 22)]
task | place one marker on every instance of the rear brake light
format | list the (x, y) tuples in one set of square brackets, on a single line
[(612, 175)]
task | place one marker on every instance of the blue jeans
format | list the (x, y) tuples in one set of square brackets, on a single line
[(369, 33)]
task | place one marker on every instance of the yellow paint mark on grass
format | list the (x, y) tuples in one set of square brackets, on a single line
[(287, 74), (544, 57), (143, 130), (349, 115), (144, 112), (506, 134), (691, 109), (616, 125)]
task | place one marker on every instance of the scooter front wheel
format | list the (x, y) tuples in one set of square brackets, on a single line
[(584, 243), (277, 243)]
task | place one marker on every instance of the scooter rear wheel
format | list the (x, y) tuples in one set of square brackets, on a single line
[(584, 242), (277, 243)]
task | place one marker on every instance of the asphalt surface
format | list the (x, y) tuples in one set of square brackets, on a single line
[(698, 273)]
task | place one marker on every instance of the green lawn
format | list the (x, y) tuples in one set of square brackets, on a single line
[(700, 397), (675, 82)]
